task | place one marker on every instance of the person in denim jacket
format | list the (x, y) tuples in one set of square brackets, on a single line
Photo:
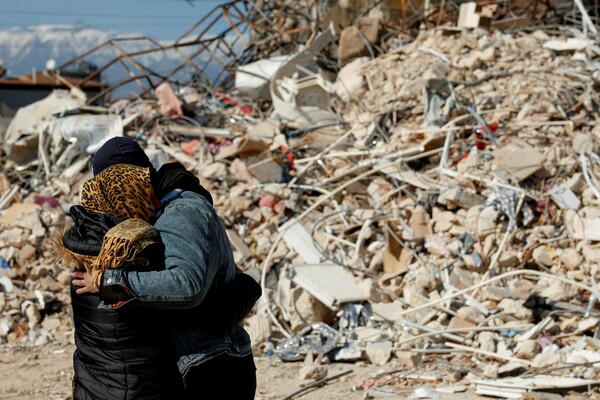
[(200, 282)]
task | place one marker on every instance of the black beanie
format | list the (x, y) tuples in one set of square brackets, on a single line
[(119, 150)]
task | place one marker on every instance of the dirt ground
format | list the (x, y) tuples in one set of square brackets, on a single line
[(45, 373)]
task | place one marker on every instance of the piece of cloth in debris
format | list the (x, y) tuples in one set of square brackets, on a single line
[(119, 150)]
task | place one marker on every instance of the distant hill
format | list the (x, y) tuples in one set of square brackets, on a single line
[(25, 48)]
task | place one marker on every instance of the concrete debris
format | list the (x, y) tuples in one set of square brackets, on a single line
[(379, 352), (517, 388), (402, 199)]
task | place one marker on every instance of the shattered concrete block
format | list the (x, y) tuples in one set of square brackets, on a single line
[(459, 322), (408, 358), (217, 170), (471, 313), (474, 262), (15, 237), (38, 272), (312, 372), (33, 314), (462, 197), (378, 188), (444, 221), (355, 41), (508, 259), (64, 278), (482, 220), (559, 291), (583, 143), (565, 198), (31, 221), (470, 61), (467, 17), (490, 371), (542, 256), (528, 349), (367, 334), (515, 308), (350, 81), (379, 353), (512, 368), (263, 244), (26, 254), (265, 130), (546, 359), (576, 183), (437, 245), (420, 226), (48, 283), (583, 225), (487, 341), (258, 327), (489, 246), (587, 324), (306, 309), (266, 170), (13, 214), (570, 257), (371, 289), (51, 323), (488, 55), (591, 254), (517, 160), (425, 279)]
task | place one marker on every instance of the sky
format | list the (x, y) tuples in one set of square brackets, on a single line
[(159, 19)]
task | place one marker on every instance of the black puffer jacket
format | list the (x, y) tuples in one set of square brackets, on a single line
[(119, 354)]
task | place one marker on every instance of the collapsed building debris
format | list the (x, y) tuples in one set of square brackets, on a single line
[(433, 204)]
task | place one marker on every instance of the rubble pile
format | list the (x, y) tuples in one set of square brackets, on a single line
[(433, 204)]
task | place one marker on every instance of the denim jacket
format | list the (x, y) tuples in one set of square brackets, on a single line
[(198, 256)]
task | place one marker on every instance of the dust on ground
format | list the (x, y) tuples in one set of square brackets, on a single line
[(45, 372)]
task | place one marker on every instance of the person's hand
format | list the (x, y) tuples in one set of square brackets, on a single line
[(86, 281)]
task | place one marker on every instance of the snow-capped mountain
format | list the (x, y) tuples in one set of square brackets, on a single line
[(23, 49)]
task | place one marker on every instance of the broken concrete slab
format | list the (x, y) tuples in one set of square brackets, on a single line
[(517, 161), (331, 284)]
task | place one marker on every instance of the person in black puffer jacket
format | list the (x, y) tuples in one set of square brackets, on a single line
[(119, 354)]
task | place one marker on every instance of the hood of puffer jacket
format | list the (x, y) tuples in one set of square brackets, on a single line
[(79, 244), (68, 258)]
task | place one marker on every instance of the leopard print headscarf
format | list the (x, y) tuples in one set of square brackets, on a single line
[(121, 190), (125, 191)]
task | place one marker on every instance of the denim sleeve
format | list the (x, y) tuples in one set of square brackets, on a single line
[(191, 235), (114, 288)]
